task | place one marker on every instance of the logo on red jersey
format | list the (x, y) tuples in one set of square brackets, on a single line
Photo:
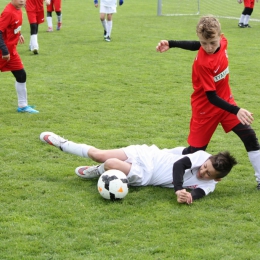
[(18, 29), (221, 75)]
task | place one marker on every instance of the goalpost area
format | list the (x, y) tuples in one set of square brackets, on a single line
[(229, 9)]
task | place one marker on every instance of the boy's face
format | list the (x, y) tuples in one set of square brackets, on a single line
[(207, 171), (210, 45), (18, 4)]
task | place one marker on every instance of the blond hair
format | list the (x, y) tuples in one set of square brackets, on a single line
[(208, 27)]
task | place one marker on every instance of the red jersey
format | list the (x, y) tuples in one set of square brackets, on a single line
[(34, 5), (10, 25), (210, 73)]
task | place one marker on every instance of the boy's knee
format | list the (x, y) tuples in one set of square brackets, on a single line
[(111, 163)]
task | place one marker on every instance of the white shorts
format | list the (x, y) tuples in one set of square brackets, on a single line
[(141, 158), (107, 9)]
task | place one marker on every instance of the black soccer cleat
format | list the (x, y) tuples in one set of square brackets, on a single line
[(241, 25), (258, 186)]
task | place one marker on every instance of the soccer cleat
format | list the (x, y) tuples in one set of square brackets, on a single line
[(258, 186), (247, 26), (108, 39), (241, 25), (35, 51), (58, 26), (49, 29), (52, 139), (87, 172), (105, 33), (27, 109)]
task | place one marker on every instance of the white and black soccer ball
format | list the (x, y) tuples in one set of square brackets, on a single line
[(113, 185), (240, 1)]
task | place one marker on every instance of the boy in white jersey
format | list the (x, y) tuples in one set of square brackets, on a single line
[(148, 165), (107, 9)]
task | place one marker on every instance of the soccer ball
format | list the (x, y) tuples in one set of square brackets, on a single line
[(240, 1), (113, 185)]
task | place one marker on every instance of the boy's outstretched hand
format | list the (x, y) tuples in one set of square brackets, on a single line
[(162, 46), (183, 196)]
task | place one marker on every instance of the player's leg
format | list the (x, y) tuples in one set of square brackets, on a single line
[(34, 46), (248, 137), (87, 151), (50, 9), (57, 8), (32, 18), (247, 17), (83, 150), (20, 86), (109, 27), (103, 20), (59, 20)]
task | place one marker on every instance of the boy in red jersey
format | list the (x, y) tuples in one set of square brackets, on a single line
[(246, 14), (35, 15), (53, 5), (212, 100), (10, 34)]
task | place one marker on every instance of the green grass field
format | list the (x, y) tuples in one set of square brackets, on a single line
[(111, 95)]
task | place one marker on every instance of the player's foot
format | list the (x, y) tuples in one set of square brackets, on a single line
[(52, 139), (247, 26), (35, 51), (241, 25), (108, 39), (87, 172), (58, 26), (258, 186), (49, 29), (27, 109), (105, 33)]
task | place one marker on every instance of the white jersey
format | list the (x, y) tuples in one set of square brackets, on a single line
[(152, 166)]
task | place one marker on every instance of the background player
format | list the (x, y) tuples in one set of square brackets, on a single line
[(246, 14), (107, 9), (212, 101), (35, 15), (10, 34), (53, 5), (148, 165)]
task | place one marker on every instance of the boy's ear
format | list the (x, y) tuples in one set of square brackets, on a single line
[(219, 179)]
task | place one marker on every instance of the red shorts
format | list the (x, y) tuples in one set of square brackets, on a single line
[(249, 3), (202, 129), (35, 17), (55, 5), (15, 63)]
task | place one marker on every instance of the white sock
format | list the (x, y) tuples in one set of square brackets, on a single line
[(59, 18), (176, 150), (101, 168), (21, 94), (242, 17), (34, 42), (246, 20), (109, 28), (49, 21), (254, 158), (76, 149), (104, 24)]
